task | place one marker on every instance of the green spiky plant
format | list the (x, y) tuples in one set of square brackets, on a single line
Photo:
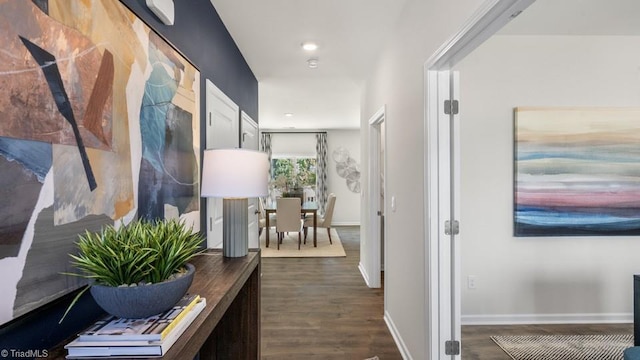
[(142, 252)]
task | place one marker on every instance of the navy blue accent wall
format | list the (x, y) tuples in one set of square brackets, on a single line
[(201, 36)]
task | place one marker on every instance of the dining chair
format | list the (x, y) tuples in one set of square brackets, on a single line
[(262, 217), (324, 221), (288, 215)]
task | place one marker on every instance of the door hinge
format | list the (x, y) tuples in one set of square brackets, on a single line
[(452, 347), (451, 227), (451, 107)]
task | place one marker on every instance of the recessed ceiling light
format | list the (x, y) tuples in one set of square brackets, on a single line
[(288, 114), (310, 46), (313, 63)]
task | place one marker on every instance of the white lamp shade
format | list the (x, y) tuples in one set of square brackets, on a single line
[(234, 173)]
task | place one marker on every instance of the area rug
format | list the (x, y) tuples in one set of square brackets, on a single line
[(564, 347), (289, 246)]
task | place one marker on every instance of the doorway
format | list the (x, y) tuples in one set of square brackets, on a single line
[(442, 176), (373, 250)]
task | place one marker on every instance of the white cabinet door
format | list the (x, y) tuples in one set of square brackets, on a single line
[(222, 133), (249, 140)]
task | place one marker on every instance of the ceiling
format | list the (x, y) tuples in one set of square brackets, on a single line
[(350, 35)]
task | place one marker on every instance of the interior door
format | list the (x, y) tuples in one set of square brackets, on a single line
[(449, 214), (223, 118), (372, 248), (249, 140), (382, 168)]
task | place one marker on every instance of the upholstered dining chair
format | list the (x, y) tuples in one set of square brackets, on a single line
[(262, 217), (324, 221), (288, 215)]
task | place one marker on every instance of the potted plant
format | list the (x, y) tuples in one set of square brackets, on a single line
[(140, 269)]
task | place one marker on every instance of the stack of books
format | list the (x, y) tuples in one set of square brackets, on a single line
[(151, 336)]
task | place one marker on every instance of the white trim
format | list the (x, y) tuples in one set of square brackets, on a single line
[(364, 273), (345, 223), (402, 347), (490, 17), (432, 265), (523, 319), (378, 117), (456, 240)]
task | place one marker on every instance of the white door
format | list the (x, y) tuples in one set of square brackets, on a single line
[(442, 250), (449, 214), (371, 253), (223, 118), (442, 175), (249, 140)]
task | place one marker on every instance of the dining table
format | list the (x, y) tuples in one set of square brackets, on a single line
[(308, 207)]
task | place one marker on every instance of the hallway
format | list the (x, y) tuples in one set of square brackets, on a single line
[(320, 308)]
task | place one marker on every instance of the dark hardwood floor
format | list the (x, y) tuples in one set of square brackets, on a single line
[(320, 308), (477, 345)]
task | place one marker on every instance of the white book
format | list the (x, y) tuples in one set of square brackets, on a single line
[(97, 349)]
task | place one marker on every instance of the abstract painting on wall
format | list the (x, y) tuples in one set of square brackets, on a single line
[(577, 171), (99, 125)]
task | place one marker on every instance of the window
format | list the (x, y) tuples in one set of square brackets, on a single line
[(293, 174)]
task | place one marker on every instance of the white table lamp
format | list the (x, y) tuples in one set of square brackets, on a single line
[(234, 175)]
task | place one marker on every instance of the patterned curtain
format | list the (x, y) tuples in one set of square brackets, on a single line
[(321, 169), (265, 146)]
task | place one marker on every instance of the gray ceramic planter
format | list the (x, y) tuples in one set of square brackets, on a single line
[(145, 300)]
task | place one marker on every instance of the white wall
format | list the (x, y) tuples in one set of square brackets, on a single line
[(293, 145), (347, 210), (523, 279), (397, 81)]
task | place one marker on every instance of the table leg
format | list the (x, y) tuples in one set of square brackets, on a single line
[(266, 236), (315, 228)]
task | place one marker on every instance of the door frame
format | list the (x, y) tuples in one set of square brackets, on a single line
[(372, 268), (247, 121), (442, 270)]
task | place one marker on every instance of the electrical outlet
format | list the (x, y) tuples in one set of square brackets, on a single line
[(472, 281)]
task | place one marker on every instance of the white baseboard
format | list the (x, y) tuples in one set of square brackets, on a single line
[(396, 337), (365, 276), (521, 319), (345, 223)]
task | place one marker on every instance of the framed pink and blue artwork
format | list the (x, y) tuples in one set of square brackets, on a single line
[(577, 171)]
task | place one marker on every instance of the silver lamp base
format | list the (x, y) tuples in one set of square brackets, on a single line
[(235, 227)]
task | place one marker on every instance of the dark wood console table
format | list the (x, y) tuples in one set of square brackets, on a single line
[(229, 326)]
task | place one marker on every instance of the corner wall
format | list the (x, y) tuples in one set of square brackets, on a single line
[(398, 82), (537, 279)]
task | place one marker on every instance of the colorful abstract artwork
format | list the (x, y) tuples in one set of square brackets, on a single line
[(577, 171), (99, 125)]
